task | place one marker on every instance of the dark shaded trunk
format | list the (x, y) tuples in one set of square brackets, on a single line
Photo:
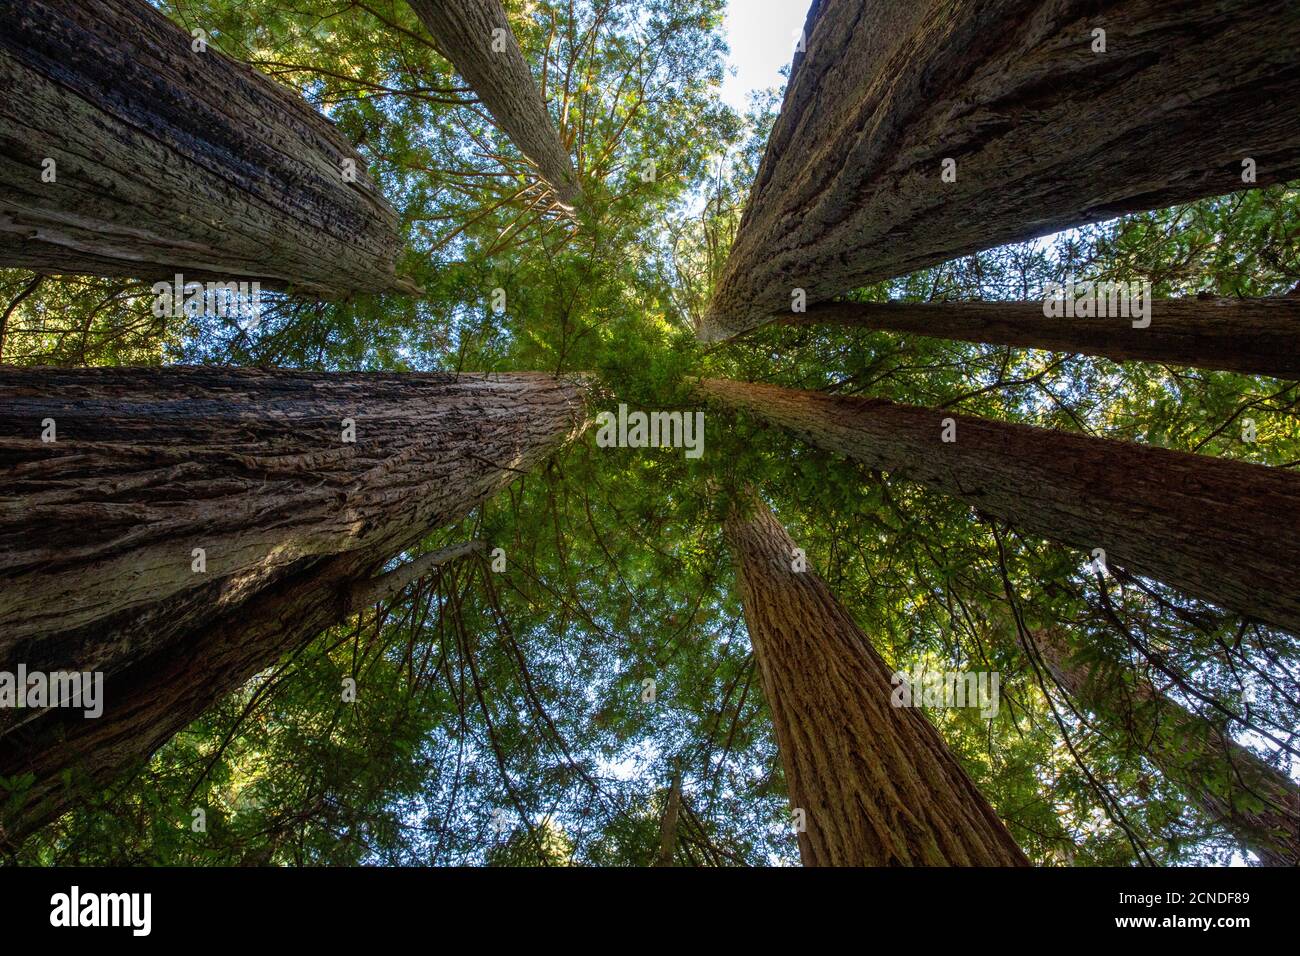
[(146, 703), (1224, 531), (1258, 805), (173, 161), (463, 32), (1254, 336), (97, 528), (876, 782), (1045, 133), (250, 465)]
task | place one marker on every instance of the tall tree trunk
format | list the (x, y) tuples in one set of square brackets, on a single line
[(169, 160), (1045, 133), (1221, 530), (668, 826), (475, 36), (151, 699), (1255, 336), (1257, 804), (877, 784), (258, 468), (98, 527)]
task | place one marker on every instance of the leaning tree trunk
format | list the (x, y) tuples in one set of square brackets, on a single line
[(171, 494), (1043, 132), (169, 160), (148, 702), (475, 36), (1257, 804), (877, 784), (1255, 336), (1224, 531), (212, 514)]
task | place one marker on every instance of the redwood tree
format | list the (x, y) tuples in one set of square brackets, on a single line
[(915, 133), (1220, 530), (1257, 804), (296, 486), (876, 783), (1256, 336), (130, 148), (475, 36)]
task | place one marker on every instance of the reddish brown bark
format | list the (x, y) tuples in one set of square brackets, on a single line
[(1254, 336), (172, 161), (1257, 804), (1045, 133), (877, 784), (1224, 531)]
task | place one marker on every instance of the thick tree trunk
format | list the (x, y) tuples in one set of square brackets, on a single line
[(1224, 531), (1255, 336), (253, 466), (668, 826), (1045, 133), (877, 784), (169, 160), (475, 36), (1257, 804), (98, 527)]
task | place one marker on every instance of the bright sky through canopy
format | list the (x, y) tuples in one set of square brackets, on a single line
[(761, 34)]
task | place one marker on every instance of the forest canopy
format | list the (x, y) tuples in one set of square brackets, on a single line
[(555, 695)]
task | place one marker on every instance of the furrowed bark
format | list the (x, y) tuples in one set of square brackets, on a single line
[(1046, 134), (877, 783), (1254, 336), (1258, 805), (97, 529), (464, 33), (169, 160), (253, 466), (1220, 530)]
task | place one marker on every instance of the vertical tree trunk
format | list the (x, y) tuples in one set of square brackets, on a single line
[(668, 826), (1224, 531), (1044, 132), (98, 527), (169, 160), (1258, 805), (1255, 336), (877, 784), (475, 36)]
